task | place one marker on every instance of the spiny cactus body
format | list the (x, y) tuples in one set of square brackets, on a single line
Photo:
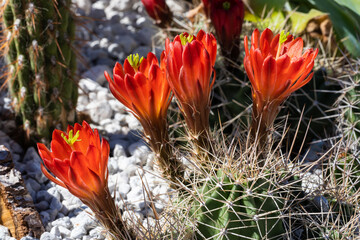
[(244, 209), (38, 47)]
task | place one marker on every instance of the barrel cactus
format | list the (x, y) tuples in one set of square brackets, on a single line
[(38, 45)]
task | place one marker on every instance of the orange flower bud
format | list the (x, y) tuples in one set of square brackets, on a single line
[(78, 160), (276, 67), (190, 61)]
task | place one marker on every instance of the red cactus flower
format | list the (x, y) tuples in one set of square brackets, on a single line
[(78, 160), (142, 87), (190, 61), (159, 11), (227, 18), (276, 67)]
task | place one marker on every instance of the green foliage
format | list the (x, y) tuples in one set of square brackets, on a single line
[(41, 63)]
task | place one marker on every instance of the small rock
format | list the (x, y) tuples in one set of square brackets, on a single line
[(48, 236), (45, 217), (64, 222), (84, 5), (87, 85), (4, 232), (64, 231), (119, 151), (97, 13), (84, 220), (78, 232), (97, 73), (28, 238), (127, 43), (99, 111), (142, 51), (55, 231), (42, 206), (97, 233), (54, 192), (55, 204)]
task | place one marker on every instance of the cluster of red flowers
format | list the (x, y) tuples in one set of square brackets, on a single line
[(276, 67)]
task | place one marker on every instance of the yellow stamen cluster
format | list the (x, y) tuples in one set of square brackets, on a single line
[(185, 40), (135, 60), (71, 139)]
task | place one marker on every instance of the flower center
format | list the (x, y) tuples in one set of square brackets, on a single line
[(71, 139), (186, 39), (226, 5), (135, 60), (282, 39)]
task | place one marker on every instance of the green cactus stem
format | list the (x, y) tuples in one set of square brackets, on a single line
[(41, 64)]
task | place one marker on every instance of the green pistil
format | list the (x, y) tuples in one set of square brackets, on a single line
[(226, 5), (184, 40), (71, 139), (135, 60)]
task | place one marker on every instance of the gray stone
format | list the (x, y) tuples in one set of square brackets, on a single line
[(64, 231), (119, 151), (43, 195), (145, 36), (28, 238), (34, 185), (48, 236), (121, 5), (4, 232), (104, 43), (55, 204), (42, 206), (64, 222), (84, 5), (97, 13), (93, 54), (78, 232), (45, 217), (142, 50), (87, 85), (96, 73), (113, 165), (84, 220), (117, 106), (55, 231), (114, 49), (54, 192), (97, 233), (139, 150), (100, 111), (127, 43)]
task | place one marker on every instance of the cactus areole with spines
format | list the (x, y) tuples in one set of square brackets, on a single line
[(41, 63)]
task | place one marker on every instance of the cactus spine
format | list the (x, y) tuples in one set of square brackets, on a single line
[(37, 44), (239, 209)]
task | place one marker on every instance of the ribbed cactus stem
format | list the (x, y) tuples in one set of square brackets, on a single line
[(41, 63)]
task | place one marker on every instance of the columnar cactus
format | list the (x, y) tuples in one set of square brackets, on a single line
[(37, 43)]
